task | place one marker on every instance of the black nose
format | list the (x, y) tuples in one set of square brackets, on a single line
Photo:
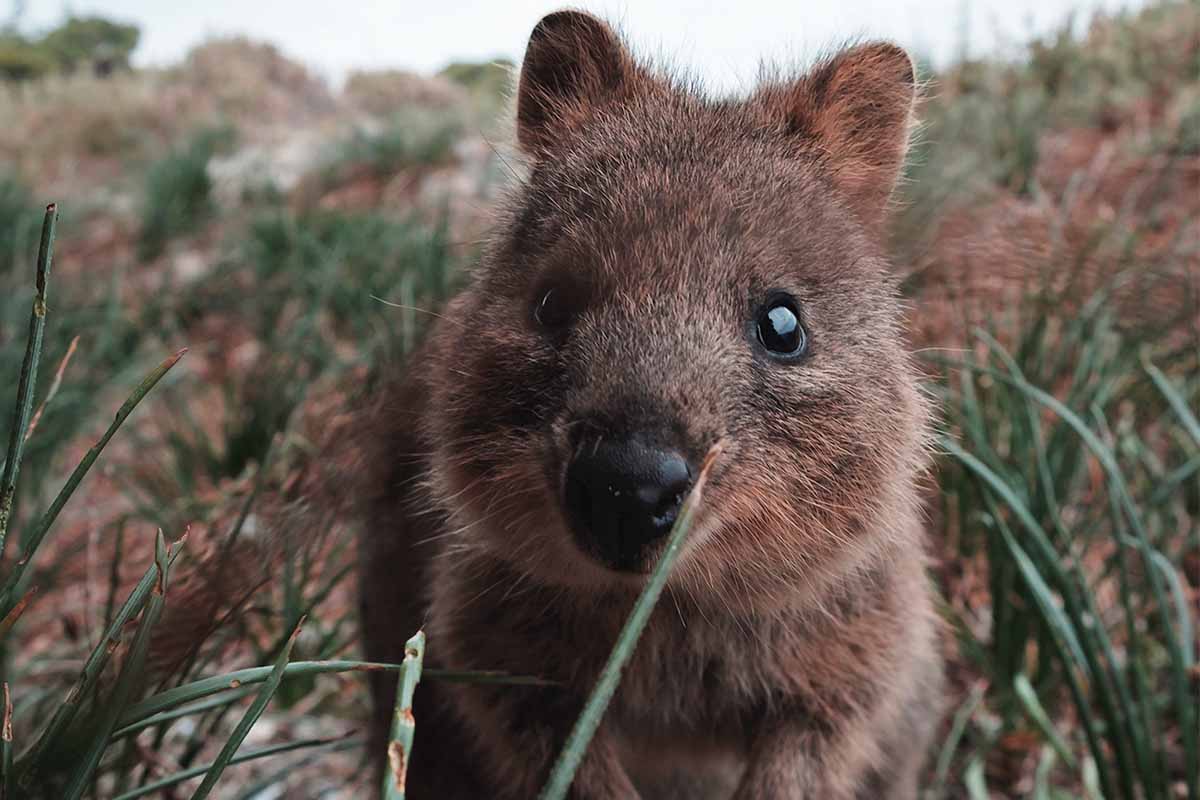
[(623, 496)]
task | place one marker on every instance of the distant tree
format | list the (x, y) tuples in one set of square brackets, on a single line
[(93, 42), (21, 59)]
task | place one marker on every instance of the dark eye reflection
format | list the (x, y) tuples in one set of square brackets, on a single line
[(779, 329), (551, 310)]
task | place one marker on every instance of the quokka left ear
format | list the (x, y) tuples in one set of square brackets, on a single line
[(573, 65), (856, 110)]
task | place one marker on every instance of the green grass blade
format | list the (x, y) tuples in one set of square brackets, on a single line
[(251, 755), (14, 613), (1178, 404), (975, 780), (957, 728), (1141, 738), (1026, 566), (127, 681), (215, 701), (1179, 596), (1033, 707), (64, 715), (28, 379), (195, 690), (563, 772), (1041, 776), (1172, 481), (6, 748), (114, 572), (1138, 654), (229, 750), (39, 532), (404, 726), (1060, 630), (55, 385), (1091, 780), (255, 790)]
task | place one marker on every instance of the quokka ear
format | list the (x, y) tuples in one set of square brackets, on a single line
[(857, 110), (574, 63)]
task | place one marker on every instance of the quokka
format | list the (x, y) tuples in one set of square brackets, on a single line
[(674, 272)]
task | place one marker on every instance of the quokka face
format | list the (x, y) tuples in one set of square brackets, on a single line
[(676, 272)]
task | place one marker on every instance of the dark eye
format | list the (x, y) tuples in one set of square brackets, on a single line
[(552, 310), (779, 328)]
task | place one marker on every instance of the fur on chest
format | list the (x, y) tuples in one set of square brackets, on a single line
[(693, 674)]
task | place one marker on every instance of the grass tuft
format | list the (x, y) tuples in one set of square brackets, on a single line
[(178, 193)]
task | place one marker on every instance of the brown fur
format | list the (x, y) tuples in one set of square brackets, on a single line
[(793, 652)]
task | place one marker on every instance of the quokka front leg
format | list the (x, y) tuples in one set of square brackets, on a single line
[(801, 757), (520, 732)]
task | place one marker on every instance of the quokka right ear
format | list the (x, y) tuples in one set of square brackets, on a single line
[(857, 109), (574, 63)]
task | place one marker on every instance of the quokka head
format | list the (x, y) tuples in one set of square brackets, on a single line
[(673, 272)]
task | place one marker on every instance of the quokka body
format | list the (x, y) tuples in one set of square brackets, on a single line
[(675, 271)]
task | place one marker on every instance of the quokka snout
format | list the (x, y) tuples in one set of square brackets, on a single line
[(674, 272)]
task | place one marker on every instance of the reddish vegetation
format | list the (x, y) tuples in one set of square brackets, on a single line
[(1115, 188)]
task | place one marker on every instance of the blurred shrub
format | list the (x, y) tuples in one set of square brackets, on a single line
[(373, 153), (413, 139), (178, 195), (299, 300), (238, 77), (489, 78), (52, 123), (386, 92), (984, 119), (18, 223), (336, 265), (1188, 139)]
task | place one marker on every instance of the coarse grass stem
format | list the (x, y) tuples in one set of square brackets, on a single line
[(27, 381), (563, 772), (403, 723), (6, 747)]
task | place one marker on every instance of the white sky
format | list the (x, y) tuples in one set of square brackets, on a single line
[(722, 42)]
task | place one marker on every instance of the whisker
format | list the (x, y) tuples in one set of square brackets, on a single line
[(404, 307)]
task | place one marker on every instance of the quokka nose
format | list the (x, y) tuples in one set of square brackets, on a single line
[(623, 496)]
